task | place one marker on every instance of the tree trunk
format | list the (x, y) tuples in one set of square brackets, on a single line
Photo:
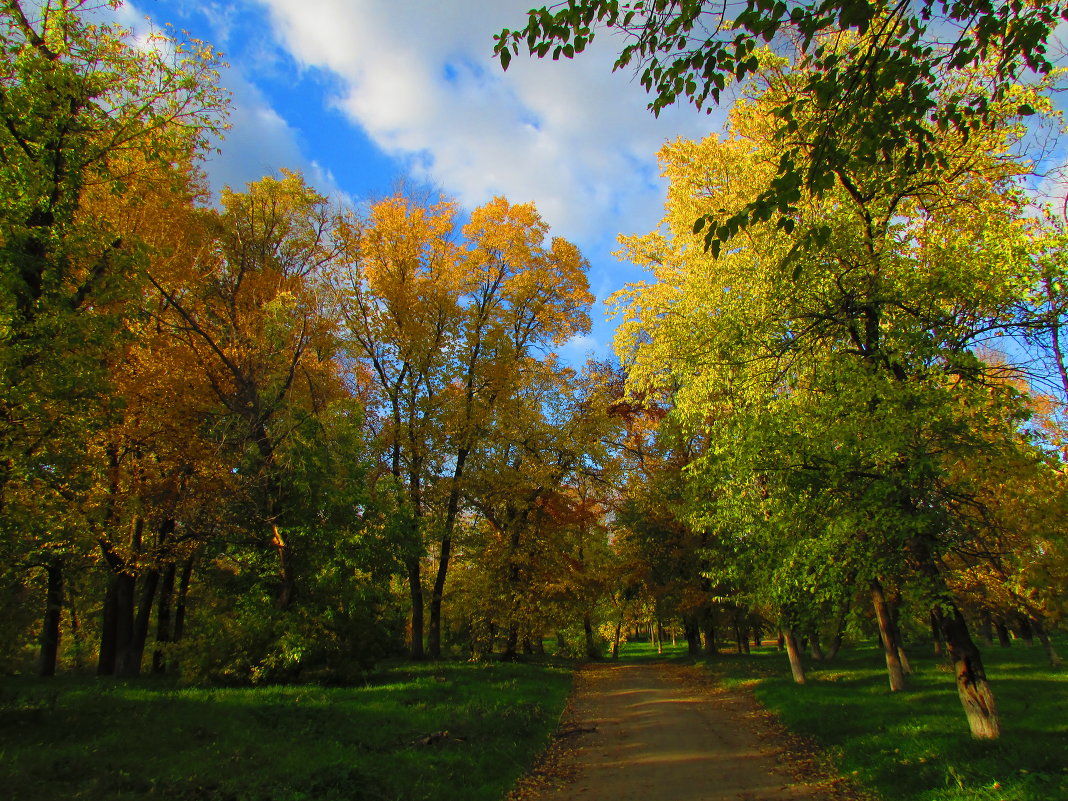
[(1027, 634), (1004, 640), (780, 641), (510, 643), (52, 615), (692, 630), (434, 630), (986, 627), (796, 668), (287, 583), (179, 606), (886, 634), (140, 628), (936, 636), (709, 633), (615, 639), (972, 685), (814, 644), (163, 617), (415, 591), (903, 657), (591, 643), (1043, 637)]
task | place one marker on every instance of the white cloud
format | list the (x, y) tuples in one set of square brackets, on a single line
[(419, 79)]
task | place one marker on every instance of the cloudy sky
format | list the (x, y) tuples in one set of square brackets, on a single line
[(363, 94)]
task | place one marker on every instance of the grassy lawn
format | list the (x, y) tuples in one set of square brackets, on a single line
[(81, 738), (915, 746)]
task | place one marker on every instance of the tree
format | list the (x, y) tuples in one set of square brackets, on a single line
[(83, 107), (880, 101), (834, 377), (447, 331)]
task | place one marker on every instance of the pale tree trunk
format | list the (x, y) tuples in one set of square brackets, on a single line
[(972, 686), (894, 669), (797, 670)]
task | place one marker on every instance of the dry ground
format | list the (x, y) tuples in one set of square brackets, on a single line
[(663, 732)]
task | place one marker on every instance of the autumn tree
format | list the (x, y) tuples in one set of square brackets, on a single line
[(838, 373), (446, 330), (83, 105)]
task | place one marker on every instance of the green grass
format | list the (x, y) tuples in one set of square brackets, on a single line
[(79, 738), (915, 745)]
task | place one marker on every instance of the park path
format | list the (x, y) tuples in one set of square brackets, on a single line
[(661, 732)]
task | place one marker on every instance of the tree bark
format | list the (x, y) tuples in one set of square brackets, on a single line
[(814, 645), (163, 617), (53, 613), (591, 644), (886, 634), (140, 627), (972, 685), (415, 592), (434, 630), (1043, 637), (986, 627), (797, 670), (1004, 640)]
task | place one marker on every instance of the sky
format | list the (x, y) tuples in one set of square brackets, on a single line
[(364, 96)]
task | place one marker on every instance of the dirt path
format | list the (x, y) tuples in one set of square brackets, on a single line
[(660, 732)]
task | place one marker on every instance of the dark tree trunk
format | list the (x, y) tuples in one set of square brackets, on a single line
[(814, 645), (591, 641), (434, 630), (839, 624), (163, 617), (894, 670), (972, 685), (509, 654), (903, 657), (986, 627), (709, 626), (615, 639), (1004, 640), (125, 594), (797, 670), (1043, 637), (52, 615), (179, 605), (936, 636), (144, 614), (1027, 634), (415, 592), (692, 630), (780, 641)]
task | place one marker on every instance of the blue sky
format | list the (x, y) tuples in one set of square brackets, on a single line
[(361, 95)]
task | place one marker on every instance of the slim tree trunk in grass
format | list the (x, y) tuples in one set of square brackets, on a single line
[(972, 685), (894, 670), (895, 606), (797, 670), (615, 639), (52, 615)]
